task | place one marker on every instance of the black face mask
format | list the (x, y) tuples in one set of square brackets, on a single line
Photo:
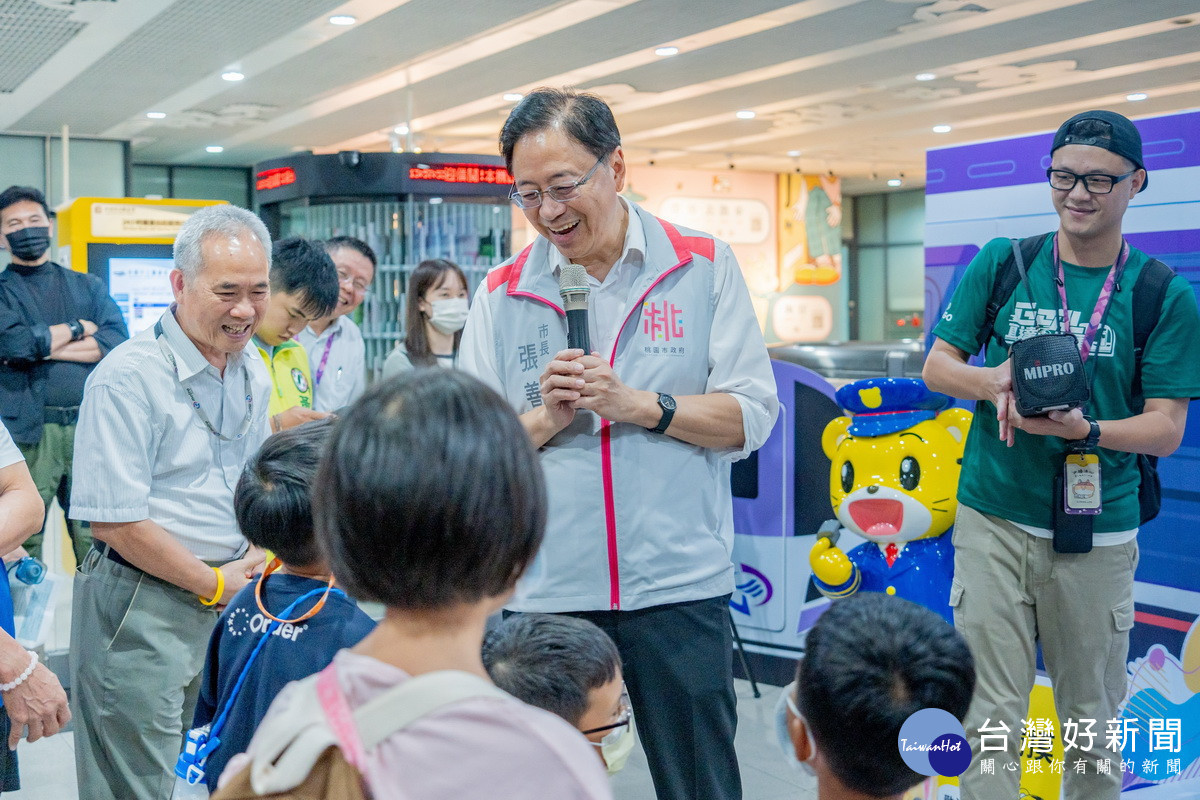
[(29, 244)]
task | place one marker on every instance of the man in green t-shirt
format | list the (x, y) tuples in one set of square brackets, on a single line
[(1011, 588)]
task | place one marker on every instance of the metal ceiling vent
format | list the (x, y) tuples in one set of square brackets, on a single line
[(32, 31)]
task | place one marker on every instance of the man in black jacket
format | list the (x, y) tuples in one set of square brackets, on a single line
[(55, 324)]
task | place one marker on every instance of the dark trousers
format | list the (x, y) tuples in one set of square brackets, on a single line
[(678, 664), (49, 463)]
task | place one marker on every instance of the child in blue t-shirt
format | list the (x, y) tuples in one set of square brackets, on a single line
[(273, 507)]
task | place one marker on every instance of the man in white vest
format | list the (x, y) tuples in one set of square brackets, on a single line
[(636, 436)]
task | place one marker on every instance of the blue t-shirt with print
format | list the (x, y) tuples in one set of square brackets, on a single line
[(294, 652)]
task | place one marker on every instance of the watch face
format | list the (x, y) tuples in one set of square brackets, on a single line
[(667, 402)]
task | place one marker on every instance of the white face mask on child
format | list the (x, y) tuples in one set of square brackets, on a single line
[(785, 736), (616, 746)]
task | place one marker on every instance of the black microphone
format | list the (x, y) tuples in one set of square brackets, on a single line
[(573, 286)]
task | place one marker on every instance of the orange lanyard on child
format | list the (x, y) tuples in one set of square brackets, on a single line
[(258, 590)]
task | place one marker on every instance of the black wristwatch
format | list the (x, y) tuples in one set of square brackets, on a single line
[(77, 331), (667, 404), (1090, 441)]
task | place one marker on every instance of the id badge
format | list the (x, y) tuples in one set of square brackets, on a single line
[(1081, 484)]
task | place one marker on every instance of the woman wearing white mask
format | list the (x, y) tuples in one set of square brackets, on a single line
[(434, 317)]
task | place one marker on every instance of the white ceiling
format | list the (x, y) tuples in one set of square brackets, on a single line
[(832, 79)]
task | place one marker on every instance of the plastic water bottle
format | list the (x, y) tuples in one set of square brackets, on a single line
[(189, 791), (189, 768), (29, 570)]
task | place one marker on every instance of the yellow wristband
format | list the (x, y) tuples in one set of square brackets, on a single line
[(220, 589)]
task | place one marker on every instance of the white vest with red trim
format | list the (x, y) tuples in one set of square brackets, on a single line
[(637, 519)]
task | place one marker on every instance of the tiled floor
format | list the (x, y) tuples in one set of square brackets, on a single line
[(47, 769), (765, 775)]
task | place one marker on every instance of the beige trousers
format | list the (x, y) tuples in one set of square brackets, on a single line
[(1012, 591), (137, 649)]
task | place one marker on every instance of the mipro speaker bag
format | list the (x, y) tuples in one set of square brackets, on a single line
[(1048, 374), (1047, 369)]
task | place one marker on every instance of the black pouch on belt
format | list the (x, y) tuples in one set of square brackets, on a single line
[(1072, 532)]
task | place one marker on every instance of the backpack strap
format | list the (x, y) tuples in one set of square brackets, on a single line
[(1008, 275), (416, 698), (288, 744), (1149, 291)]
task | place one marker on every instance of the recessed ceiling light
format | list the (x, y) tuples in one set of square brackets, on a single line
[(232, 76), (401, 129), (745, 114), (215, 148), (895, 182), (342, 19), (668, 50), (941, 129), (433, 201), (925, 76), (793, 153), (156, 114), (513, 97), (1133, 98)]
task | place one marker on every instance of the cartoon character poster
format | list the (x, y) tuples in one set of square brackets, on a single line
[(736, 207), (808, 301)]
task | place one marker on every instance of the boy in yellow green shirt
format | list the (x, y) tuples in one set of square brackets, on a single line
[(304, 287)]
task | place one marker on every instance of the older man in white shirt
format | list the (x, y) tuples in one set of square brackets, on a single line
[(337, 355), (168, 420)]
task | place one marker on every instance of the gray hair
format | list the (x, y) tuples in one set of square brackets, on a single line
[(220, 219)]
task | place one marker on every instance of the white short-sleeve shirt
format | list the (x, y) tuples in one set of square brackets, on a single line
[(9, 452), (143, 452), (338, 360)]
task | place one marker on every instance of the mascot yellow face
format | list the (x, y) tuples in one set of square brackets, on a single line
[(897, 486)]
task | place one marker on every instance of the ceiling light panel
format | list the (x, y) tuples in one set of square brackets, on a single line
[(29, 38), (196, 37)]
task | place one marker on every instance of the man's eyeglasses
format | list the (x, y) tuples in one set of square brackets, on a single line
[(559, 194), (624, 714), (1094, 182), (345, 279)]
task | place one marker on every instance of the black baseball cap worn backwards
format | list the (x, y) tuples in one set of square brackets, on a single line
[(1109, 131)]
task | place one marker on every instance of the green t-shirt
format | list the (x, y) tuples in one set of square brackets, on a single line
[(1016, 483)]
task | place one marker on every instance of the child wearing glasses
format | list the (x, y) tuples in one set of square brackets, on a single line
[(569, 667)]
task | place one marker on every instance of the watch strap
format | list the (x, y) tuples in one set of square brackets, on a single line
[(1090, 441), (668, 412)]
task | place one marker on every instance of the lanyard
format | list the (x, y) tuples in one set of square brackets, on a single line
[(258, 597), (1093, 327), (166, 351), (219, 723), (325, 357)]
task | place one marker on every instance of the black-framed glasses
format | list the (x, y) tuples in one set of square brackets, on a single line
[(1095, 182), (559, 194), (624, 715)]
